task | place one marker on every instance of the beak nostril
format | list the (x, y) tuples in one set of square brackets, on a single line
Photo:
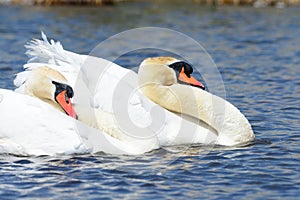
[(67, 99)]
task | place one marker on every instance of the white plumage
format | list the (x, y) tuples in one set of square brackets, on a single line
[(102, 85)]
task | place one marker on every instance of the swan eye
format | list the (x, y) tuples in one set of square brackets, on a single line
[(70, 92), (63, 87), (178, 66), (188, 69)]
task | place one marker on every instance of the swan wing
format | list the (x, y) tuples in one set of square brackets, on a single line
[(51, 52)]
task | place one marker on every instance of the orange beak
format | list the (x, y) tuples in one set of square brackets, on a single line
[(65, 102), (190, 80)]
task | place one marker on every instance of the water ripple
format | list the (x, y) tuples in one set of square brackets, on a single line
[(257, 52)]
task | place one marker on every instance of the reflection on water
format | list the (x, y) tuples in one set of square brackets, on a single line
[(257, 52)]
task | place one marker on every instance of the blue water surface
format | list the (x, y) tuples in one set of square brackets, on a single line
[(257, 52)]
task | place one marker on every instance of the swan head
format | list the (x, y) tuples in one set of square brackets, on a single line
[(167, 71), (51, 86)]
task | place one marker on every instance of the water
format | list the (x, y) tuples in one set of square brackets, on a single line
[(258, 54)]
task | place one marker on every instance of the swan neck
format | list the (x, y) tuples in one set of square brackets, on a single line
[(231, 125)]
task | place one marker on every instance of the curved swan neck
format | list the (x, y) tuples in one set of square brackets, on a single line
[(231, 125)]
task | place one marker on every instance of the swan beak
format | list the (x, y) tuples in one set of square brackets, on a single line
[(190, 80), (65, 102)]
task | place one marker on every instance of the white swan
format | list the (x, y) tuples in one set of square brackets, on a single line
[(117, 88), (37, 123), (160, 79)]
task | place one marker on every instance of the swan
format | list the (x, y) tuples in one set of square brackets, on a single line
[(157, 103), (160, 78), (43, 121)]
